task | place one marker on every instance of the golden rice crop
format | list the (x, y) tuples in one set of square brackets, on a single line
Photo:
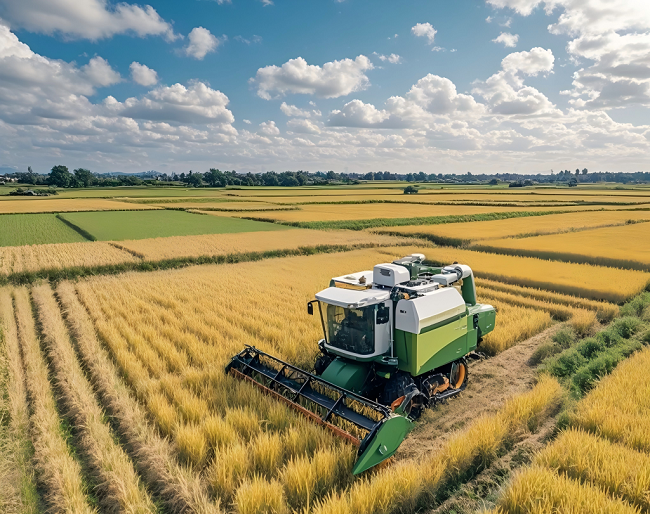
[(605, 311), (18, 259), (619, 407), (476, 445), (624, 247), (371, 211), (621, 471), (549, 224), (180, 488), (225, 244), (18, 491), (118, 484), (58, 471), (27, 205), (586, 280), (513, 324), (538, 490)]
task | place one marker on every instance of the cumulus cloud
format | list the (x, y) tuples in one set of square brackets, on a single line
[(392, 58), (614, 35), (100, 72), (536, 61), (508, 40), (196, 104), (85, 19), (303, 126), (292, 110), (358, 114), (143, 75), (268, 128), (332, 80), (201, 42), (505, 90), (424, 30)]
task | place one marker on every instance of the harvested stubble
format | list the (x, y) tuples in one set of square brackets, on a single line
[(550, 224), (619, 407), (465, 453), (605, 311), (25, 205), (18, 492), (58, 471), (225, 244), (19, 259), (180, 488), (537, 490), (623, 247), (118, 486), (621, 471), (586, 280)]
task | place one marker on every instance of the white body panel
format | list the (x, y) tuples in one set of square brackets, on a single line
[(351, 298), (390, 275), (414, 315)]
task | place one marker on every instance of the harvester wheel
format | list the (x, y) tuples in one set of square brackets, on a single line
[(396, 390), (458, 375)]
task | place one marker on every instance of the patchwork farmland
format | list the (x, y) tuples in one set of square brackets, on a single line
[(119, 315)]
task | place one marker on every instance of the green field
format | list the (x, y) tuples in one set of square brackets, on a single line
[(122, 225), (35, 229)]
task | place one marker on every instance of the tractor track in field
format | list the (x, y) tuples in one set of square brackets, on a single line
[(492, 381)]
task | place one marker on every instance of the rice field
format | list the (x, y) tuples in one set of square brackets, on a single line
[(620, 247), (466, 233), (32, 258), (118, 226), (225, 244), (35, 229), (584, 280), (34, 205), (113, 396), (600, 463)]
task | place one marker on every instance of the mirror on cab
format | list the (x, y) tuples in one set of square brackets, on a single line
[(383, 314), (310, 308)]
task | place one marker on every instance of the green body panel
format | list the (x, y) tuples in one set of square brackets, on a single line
[(384, 443), (486, 318), (419, 353), (347, 374)]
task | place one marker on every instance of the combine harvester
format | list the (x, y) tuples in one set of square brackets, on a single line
[(397, 339)]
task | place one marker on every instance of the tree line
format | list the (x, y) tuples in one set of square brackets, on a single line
[(61, 176)]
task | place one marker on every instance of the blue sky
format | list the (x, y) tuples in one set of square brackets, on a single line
[(405, 86)]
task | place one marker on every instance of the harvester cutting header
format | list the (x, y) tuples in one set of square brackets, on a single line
[(396, 340)]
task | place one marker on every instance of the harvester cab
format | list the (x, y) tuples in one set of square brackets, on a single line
[(395, 340)]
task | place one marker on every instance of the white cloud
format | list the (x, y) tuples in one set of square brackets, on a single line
[(536, 61), (292, 110), (85, 19), (505, 90), (392, 58), (358, 114), (333, 79), (143, 75), (614, 35), (424, 30), (266, 2), (303, 126), (248, 122), (196, 104), (252, 40), (508, 40), (268, 128), (201, 42), (100, 72)]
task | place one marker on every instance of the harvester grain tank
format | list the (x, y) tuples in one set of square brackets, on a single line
[(396, 340)]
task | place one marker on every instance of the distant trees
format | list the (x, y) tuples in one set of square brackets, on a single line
[(60, 176), (410, 190), (83, 177)]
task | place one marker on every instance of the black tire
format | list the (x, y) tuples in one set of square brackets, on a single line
[(396, 387), (321, 363)]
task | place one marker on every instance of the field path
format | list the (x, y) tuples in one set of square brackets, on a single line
[(491, 382)]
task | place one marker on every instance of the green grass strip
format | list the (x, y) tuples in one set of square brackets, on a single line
[(400, 222)]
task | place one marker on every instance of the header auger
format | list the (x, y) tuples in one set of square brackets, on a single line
[(396, 340)]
